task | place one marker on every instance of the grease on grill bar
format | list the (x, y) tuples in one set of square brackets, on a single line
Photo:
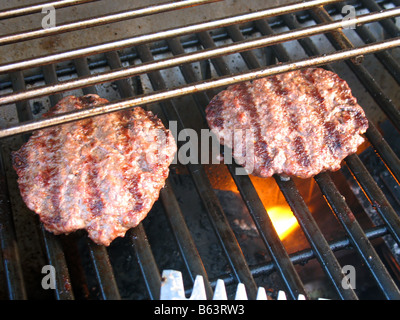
[(210, 222)]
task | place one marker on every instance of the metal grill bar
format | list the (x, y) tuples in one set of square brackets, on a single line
[(162, 35), (391, 65), (104, 273), (8, 242), (280, 258), (308, 254), (205, 85), (56, 258), (21, 11), (385, 151), (357, 236), (50, 77), (239, 46), (314, 235), (146, 261), (375, 196), (185, 242), (388, 25), (98, 21)]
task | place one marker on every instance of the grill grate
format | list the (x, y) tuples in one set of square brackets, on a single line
[(244, 32)]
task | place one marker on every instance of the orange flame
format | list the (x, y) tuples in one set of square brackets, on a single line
[(280, 213), (283, 220)]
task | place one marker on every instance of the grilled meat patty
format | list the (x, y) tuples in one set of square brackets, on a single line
[(102, 174), (297, 123)]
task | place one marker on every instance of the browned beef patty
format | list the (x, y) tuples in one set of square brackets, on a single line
[(102, 174), (300, 123)]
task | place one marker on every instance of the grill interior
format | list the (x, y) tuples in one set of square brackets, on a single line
[(209, 221)]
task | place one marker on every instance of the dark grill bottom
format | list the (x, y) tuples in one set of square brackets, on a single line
[(209, 221), (167, 255)]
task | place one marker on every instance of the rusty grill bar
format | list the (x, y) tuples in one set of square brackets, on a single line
[(163, 99), (21, 11)]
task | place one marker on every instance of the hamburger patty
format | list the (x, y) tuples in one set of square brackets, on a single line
[(297, 123), (102, 174)]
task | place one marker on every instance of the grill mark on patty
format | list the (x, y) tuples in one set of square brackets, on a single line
[(122, 132), (331, 136), (137, 193), (302, 156), (94, 200), (260, 145), (55, 195), (49, 178), (131, 181), (217, 105)]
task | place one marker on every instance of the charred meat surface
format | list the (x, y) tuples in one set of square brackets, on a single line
[(298, 123), (102, 174)]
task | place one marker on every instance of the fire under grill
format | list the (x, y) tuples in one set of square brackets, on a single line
[(302, 236)]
